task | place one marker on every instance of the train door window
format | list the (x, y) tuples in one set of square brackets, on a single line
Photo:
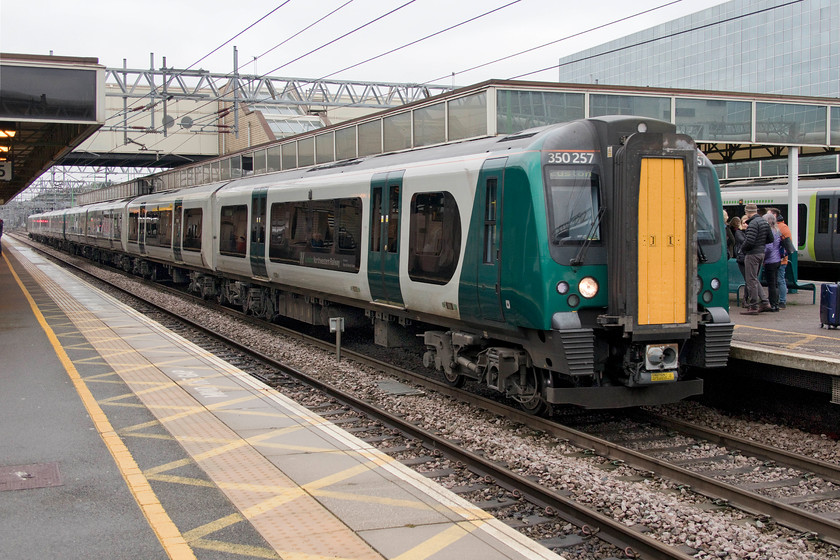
[(118, 219), (394, 219), (192, 230), (233, 227), (823, 215), (258, 224), (491, 192), (434, 237), (134, 225), (376, 222)]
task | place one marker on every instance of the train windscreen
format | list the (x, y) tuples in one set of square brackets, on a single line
[(573, 202), (708, 217)]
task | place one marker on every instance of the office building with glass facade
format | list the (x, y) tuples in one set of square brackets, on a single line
[(754, 46)]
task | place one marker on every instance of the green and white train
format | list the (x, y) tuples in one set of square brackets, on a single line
[(579, 263), (818, 213)]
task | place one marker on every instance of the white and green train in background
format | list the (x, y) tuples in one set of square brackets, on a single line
[(579, 263), (818, 213)]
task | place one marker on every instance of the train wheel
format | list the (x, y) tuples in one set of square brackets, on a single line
[(529, 396), (453, 378)]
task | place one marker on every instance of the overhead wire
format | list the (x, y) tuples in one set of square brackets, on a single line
[(450, 28), (390, 12), (248, 28), (578, 34)]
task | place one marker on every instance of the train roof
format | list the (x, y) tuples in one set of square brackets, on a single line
[(781, 184)]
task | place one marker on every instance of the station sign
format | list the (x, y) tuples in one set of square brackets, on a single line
[(5, 170)]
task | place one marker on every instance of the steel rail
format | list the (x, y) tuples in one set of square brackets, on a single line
[(823, 469)]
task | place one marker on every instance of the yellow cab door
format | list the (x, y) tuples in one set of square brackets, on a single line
[(662, 274)]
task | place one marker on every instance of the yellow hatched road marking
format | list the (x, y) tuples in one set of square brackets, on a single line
[(173, 542)]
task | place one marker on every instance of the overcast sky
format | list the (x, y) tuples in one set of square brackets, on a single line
[(186, 31)]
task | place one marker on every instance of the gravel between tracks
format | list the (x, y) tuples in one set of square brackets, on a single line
[(673, 515)]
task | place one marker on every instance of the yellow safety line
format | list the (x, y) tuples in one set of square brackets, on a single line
[(170, 537), (436, 544), (784, 332)]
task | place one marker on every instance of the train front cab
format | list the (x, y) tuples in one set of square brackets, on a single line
[(666, 307)]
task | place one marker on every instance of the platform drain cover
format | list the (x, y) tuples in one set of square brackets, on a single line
[(24, 477)]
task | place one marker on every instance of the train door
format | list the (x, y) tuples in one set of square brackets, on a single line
[(488, 269), (827, 227), (384, 249), (662, 261), (259, 198), (177, 220)]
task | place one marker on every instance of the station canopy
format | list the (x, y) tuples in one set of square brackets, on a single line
[(48, 106)]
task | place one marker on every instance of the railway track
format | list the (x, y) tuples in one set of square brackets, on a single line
[(551, 503)]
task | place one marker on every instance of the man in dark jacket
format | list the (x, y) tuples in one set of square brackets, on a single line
[(758, 234)]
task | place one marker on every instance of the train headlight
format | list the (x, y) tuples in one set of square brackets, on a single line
[(562, 288), (588, 287), (707, 296), (715, 283), (574, 300), (642, 127)]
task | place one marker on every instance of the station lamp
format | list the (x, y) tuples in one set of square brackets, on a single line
[(7, 130)]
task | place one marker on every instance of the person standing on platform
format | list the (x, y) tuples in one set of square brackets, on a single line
[(771, 262), (730, 239), (784, 230), (1, 235), (739, 236), (758, 235)]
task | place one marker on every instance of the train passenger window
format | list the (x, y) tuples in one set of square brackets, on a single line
[(192, 230), (822, 215), (319, 233), (233, 229), (134, 225), (573, 204), (151, 222), (434, 237), (160, 227)]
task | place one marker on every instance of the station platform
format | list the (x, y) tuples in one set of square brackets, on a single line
[(120, 439), (790, 339)]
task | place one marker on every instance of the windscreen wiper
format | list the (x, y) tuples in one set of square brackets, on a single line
[(578, 260)]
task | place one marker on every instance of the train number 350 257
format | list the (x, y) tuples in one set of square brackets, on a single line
[(571, 157)]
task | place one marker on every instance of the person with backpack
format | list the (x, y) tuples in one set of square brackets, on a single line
[(787, 243)]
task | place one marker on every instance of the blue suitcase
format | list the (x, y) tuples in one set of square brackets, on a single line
[(829, 316)]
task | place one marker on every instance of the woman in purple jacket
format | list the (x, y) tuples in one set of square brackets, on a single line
[(772, 260)]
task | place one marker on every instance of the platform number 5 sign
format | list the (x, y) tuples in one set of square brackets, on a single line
[(5, 170)]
